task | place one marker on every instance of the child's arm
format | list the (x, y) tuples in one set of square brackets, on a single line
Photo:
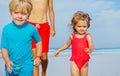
[(6, 59), (39, 48), (63, 47), (90, 43), (37, 60), (51, 17)]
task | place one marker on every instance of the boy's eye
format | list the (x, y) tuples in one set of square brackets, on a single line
[(79, 26), (16, 12), (84, 26), (21, 13), (24, 13)]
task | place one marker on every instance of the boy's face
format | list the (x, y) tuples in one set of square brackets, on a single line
[(18, 17)]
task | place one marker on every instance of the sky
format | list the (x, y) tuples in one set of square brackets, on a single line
[(105, 23)]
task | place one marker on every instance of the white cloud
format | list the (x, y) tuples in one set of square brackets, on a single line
[(105, 19), (106, 28), (85, 4), (108, 17), (105, 22)]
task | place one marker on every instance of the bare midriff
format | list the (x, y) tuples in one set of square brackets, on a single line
[(39, 11)]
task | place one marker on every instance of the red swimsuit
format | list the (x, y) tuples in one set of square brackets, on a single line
[(79, 55)]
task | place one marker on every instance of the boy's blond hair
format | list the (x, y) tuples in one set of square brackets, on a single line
[(23, 5)]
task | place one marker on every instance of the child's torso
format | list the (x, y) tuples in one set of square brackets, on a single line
[(19, 42), (79, 45)]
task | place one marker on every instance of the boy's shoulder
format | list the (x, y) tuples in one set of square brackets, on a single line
[(7, 25), (31, 26)]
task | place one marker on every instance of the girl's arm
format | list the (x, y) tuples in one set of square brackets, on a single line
[(90, 43), (63, 47)]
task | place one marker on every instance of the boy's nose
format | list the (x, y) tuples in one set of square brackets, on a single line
[(20, 15)]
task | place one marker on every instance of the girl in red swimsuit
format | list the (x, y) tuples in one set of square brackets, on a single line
[(81, 42)]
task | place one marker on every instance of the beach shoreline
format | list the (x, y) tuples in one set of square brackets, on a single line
[(102, 63)]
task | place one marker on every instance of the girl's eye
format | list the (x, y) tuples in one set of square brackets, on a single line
[(79, 26)]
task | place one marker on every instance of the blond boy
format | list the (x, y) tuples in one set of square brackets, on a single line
[(16, 41)]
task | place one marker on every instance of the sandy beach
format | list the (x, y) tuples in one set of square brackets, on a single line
[(101, 64)]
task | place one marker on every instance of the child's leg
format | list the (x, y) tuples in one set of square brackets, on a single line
[(36, 71), (84, 70), (36, 68), (44, 63), (74, 69)]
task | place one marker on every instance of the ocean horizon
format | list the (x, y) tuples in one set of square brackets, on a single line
[(99, 50)]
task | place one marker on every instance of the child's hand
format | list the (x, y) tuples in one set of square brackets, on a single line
[(56, 53), (37, 61), (87, 50), (9, 64), (52, 32)]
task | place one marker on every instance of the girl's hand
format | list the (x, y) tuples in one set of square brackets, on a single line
[(56, 53), (87, 50), (37, 61), (9, 64)]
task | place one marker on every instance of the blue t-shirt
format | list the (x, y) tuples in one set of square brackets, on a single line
[(17, 40)]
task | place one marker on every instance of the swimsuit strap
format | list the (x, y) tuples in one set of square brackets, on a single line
[(73, 35)]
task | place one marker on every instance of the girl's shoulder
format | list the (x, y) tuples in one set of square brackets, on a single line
[(72, 35), (87, 33), (88, 36)]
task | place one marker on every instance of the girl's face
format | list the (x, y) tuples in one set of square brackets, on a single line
[(18, 17), (81, 27)]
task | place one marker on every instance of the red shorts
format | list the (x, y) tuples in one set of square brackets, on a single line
[(44, 31)]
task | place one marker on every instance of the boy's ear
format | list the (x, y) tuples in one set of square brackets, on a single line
[(29, 15), (10, 13)]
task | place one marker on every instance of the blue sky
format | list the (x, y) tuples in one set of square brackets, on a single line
[(105, 23)]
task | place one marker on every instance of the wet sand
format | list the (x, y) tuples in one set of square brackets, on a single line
[(101, 64)]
